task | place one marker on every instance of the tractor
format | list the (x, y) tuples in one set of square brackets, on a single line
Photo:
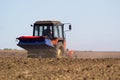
[(48, 40)]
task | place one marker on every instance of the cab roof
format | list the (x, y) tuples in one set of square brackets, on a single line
[(48, 23)]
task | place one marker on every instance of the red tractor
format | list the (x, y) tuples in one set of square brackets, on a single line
[(48, 40)]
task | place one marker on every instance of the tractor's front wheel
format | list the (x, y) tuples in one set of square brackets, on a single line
[(60, 51)]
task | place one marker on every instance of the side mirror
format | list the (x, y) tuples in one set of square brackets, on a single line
[(67, 27), (31, 25), (70, 27)]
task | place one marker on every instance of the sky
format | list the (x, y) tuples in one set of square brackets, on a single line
[(95, 23)]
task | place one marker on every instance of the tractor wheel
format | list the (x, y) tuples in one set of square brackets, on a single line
[(60, 51)]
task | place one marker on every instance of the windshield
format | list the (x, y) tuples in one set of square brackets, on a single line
[(42, 30), (48, 30)]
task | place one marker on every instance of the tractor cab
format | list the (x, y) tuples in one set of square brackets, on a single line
[(50, 29)]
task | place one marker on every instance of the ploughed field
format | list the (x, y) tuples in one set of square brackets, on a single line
[(21, 68)]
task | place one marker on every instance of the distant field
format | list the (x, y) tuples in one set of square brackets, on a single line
[(97, 54), (77, 54), (13, 53)]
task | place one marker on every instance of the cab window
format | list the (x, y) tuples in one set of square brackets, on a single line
[(56, 31)]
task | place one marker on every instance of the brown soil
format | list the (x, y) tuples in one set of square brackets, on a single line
[(22, 68), (97, 54), (13, 53)]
